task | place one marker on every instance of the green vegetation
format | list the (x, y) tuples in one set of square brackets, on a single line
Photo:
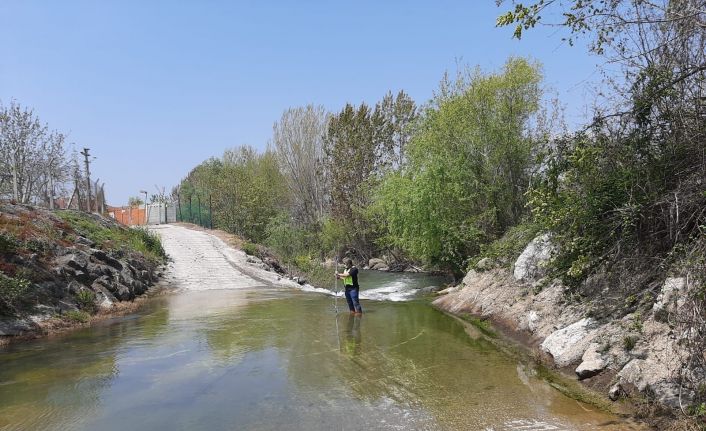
[(86, 300), (12, 290), (113, 236), (77, 316)]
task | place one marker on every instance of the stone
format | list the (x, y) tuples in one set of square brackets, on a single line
[(592, 362), (615, 391), (14, 327), (102, 256), (533, 319), (82, 240), (375, 261), (568, 344), (671, 296), (532, 262)]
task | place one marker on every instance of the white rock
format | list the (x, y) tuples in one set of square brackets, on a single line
[(530, 265), (533, 320), (592, 362), (670, 295), (568, 344)]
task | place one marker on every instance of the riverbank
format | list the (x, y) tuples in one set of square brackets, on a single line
[(636, 358), (65, 269)]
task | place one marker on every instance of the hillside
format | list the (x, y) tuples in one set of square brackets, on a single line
[(68, 266)]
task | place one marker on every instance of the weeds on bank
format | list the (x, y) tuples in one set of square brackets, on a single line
[(135, 239)]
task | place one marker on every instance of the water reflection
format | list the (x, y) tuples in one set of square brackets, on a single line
[(353, 337)]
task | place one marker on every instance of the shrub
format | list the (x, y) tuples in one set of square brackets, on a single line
[(11, 291), (86, 300), (77, 316), (250, 248), (8, 243)]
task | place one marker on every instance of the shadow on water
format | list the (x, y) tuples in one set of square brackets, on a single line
[(277, 359)]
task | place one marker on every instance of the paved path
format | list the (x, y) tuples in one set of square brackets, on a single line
[(200, 261)]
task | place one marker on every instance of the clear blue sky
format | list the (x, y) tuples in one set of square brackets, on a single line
[(156, 87)]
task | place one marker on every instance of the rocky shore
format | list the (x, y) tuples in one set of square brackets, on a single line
[(640, 355), (69, 267)]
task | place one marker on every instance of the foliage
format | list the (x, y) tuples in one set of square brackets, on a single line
[(86, 300), (362, 145), (467, 167), (135, 201), (506, 249), (8, 243), (12, 290), (247, 189), (249, 248), (110, 236), (77, 316)]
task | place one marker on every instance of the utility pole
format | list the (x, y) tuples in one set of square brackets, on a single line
[(85, 155)]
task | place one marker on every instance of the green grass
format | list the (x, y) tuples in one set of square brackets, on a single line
[(135, 239), (77, 316)]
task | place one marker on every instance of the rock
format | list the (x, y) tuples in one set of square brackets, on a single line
[(671, 296), (592, 362), (76, 261), (533, 320), (484, 264), (14, 327), (568, 344), (615, 391), (82, 240), (531, 263), (102, 256), (381, 268), (375, 261)]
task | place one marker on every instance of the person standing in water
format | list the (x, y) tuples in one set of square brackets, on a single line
[(351, 287)]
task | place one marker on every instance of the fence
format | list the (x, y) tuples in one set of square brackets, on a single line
[(153, 214)]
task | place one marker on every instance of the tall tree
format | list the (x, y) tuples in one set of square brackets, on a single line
[(297, 142)]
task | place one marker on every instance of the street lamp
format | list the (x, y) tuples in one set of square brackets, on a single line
[(145, 192)]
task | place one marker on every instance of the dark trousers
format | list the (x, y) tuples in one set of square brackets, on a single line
[(352, 299)]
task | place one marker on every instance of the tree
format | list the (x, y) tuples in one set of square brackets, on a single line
[(21, 135), (297, 142), (467, 167)]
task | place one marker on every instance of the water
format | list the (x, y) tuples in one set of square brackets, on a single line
[(280, 359)]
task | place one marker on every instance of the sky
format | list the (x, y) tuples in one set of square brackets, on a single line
[(153, 88)]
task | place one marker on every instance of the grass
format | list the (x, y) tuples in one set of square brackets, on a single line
[(135, 239), (508, 248), (77, 316)]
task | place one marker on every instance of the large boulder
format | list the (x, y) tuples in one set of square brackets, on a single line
[(567, 345), (532, 262)]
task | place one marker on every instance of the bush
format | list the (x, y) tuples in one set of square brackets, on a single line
[(12, 290), (250, 249), (509, 247), (8, 243), (77, 316), (86, 300)]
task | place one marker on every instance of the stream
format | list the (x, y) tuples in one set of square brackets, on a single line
[(282, 359)]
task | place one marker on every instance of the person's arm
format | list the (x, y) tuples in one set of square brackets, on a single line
[(343, 274)]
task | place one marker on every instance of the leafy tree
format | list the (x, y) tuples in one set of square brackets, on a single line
[(467, 167)]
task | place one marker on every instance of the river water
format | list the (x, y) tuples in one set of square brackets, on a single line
[(282, 359)]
